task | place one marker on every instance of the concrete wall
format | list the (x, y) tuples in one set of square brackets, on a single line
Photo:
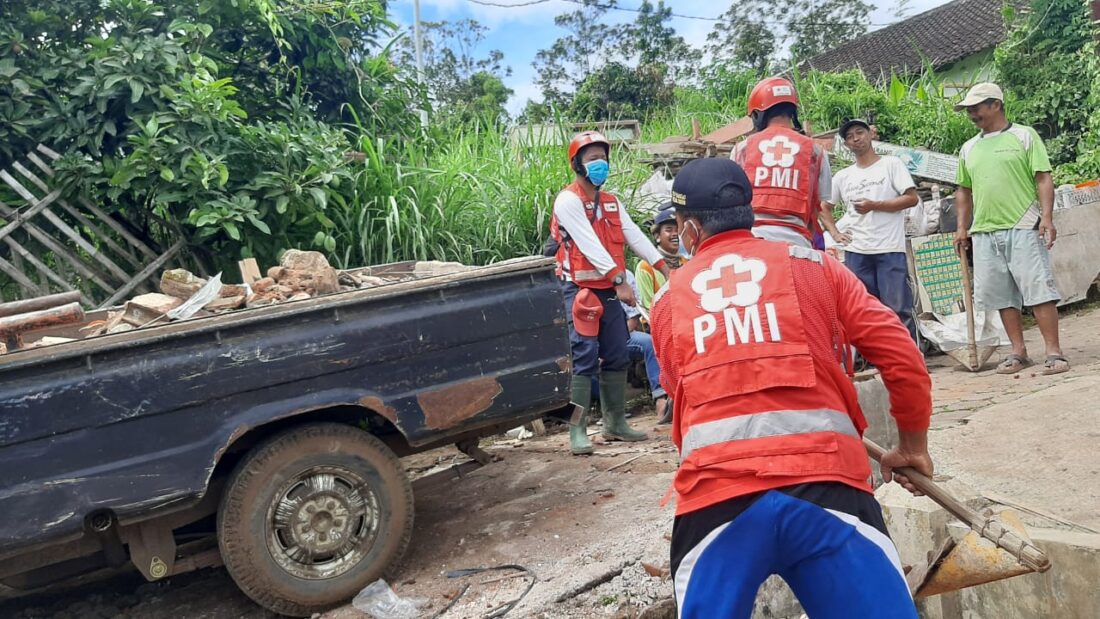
[(1070, 590)]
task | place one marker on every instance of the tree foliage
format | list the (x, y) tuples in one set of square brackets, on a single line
[(216, 120), (1044, 66), (599, 70), (462, 85), (753, 33), (587, 44)]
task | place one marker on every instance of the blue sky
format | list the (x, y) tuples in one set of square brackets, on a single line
[(521, 31)]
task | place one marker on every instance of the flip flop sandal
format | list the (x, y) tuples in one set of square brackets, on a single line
[(1055, 364), (1013, 364)]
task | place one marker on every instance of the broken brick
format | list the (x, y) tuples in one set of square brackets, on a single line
[(157, 302), (304, 260), (313, 282), (222, 304), (261, 285), (232, 290), (180, 283)]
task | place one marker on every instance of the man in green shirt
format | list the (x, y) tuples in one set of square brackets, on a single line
[(1004, 182)]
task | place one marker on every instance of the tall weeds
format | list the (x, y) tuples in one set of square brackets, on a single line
[(476, 195)]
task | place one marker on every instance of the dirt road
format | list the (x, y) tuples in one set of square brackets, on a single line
[(589, 531)]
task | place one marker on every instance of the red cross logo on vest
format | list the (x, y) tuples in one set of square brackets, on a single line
[(778, 151), (731, 280)]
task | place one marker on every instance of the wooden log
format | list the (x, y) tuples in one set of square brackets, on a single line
[(38, 303), (12, 326)]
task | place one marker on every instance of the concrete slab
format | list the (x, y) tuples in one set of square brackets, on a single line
[(1039, 450)]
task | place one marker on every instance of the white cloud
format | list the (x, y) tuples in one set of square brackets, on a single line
[(493, 16), (522, 92)]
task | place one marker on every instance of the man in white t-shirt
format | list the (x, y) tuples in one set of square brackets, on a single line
[(875, 191)]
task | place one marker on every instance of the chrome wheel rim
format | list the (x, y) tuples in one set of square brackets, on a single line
[(322, 523)]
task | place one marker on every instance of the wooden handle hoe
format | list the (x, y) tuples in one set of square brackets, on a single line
[(973, 560)]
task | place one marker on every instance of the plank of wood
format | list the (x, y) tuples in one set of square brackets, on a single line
[(119, 228), (17, 275), (145, 274), (125, 253), (67, 231), (41, 165), (84, 221), (17, 262), (250, 270), (59, 250), (45, 150), (18, 218), (37, 182), (60, 280)]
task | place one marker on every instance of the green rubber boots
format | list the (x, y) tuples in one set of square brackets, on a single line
[(613, 403), (579, 444)]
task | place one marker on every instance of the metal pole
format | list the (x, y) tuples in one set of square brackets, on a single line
[(419, 56)]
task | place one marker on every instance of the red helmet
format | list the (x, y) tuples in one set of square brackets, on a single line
[(770, 92), (586, 138)]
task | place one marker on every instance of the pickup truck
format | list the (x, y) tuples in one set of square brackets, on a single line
[(279, 427)]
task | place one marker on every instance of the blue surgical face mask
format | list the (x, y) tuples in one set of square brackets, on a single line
[(598, 171)]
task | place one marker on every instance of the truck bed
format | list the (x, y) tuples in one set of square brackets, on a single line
[(135, 423)]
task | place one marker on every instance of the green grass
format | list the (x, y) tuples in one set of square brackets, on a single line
[(474, 196)]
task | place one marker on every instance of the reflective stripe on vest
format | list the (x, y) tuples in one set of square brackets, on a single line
[(764, 425)]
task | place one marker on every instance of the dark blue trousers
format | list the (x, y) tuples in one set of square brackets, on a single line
[(887, 279), (609, 345)]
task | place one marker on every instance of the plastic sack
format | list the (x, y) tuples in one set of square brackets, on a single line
[(380, 602), (949, 332)]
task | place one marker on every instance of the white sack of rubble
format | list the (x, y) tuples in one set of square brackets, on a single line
[(948, 332)]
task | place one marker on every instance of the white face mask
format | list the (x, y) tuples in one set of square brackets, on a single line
[(689, 251)]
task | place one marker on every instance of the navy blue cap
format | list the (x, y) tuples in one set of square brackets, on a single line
[(665, 214), (711, 183)]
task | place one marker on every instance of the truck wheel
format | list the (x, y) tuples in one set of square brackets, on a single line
[(312, 516)]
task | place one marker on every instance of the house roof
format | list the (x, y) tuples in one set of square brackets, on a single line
[(943, 35)]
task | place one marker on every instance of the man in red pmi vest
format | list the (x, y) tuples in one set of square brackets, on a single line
[(790, 174), (592, 230), (773, 476)]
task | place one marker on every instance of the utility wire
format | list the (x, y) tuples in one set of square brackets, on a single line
[(638, 10)]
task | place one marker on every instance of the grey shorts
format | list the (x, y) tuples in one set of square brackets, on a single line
[(1012, 269)]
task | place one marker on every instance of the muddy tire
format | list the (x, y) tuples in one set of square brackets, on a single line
[(312, 516)]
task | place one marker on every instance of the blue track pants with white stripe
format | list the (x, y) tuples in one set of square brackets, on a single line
[(838, 565)]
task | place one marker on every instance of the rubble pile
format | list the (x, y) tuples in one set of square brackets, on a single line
[(300, 275)]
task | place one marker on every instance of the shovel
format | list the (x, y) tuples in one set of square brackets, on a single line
[(996, 547)]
